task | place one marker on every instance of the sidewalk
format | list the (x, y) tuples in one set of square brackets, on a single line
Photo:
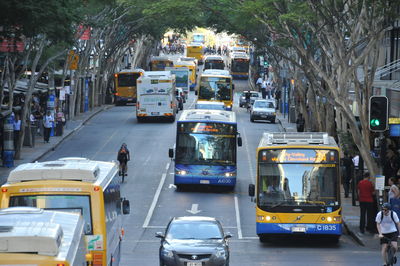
[(32, 154), (350, 214)]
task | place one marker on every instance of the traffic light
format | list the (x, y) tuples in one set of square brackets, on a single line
[(378, 113)]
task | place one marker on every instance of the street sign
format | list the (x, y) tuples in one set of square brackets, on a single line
[(379, 182), (73, 60)]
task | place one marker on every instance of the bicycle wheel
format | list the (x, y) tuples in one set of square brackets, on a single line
[(390, 255)]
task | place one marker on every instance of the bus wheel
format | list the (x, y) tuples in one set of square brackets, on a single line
[(334, 239), (172, 119), (139, 119), (264, 239)]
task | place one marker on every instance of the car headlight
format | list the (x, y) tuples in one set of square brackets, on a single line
[(167, 253), (220, 253)]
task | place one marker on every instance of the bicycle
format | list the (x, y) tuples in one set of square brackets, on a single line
[(248, 105), (390, 258)]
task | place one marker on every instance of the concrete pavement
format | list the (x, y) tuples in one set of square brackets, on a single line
[(32, 154)]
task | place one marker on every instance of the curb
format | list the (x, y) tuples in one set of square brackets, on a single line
[(52, 148), (282, 128), (353, 234)]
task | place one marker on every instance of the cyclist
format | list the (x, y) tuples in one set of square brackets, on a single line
[(247, 96), (388, 225), (123, 157)]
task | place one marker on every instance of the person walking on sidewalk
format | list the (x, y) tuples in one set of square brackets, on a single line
[(366, 192), (17, 130), (47, 124), (347, 164), (300, 123), (388, 225)]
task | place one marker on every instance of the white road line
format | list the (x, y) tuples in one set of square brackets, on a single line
[(238, 224), (167, 166), (253, 179), (155, 199)]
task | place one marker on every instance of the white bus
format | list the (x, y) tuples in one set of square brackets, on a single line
[(156, 96), (33, 236)]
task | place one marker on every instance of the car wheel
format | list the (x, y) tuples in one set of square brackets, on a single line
[(226, 263), (264, 239), (161, 263), (240, 105), (273, 121), (251, 119), (139, 119)]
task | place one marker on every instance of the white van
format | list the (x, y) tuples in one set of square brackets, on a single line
[(156, 96)]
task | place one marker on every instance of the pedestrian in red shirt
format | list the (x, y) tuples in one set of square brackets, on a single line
[(366, 193)]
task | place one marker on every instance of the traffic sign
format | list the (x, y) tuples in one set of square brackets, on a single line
[(73, 60)]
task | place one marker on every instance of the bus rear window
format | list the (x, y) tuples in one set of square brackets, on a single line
[(65, 203), (128, 79)]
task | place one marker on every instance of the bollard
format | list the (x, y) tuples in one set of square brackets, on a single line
[(8, 142)]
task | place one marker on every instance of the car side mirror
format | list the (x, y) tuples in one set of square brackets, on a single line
[(171, 153), (252, 190), (239, 141), (160, 235), (126, 208)]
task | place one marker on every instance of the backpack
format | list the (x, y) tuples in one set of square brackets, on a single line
[(391, 216)]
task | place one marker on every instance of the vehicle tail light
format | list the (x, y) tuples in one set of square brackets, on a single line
[(60, 264), (4, 190)]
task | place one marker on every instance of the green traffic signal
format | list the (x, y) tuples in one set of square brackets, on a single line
[(375, 122)]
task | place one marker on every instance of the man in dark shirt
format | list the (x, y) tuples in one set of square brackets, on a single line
[(347, 164), (366, 193)]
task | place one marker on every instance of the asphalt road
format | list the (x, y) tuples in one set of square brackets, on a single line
[(154, 200)]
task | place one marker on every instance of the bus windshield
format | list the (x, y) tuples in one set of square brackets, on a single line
[(195, 148), (240, 66), (127, 79), (66, 203), (298, 178), (215, 88), (214, 64)]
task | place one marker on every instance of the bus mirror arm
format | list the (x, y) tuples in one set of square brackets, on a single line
[(126, 209), (239, 140)]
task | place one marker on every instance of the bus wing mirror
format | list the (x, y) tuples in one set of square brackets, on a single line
[(195, 92), (233, 86), (126, 209), (240, 141), (171, 153), (252, 190)]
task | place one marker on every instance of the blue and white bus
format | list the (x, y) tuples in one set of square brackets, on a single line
[(206, 142)]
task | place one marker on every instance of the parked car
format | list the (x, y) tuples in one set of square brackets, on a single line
[(254, 96), (210, 105), (180, 98), (194, 241), (263, 110)]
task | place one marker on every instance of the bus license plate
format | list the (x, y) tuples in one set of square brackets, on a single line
[(204, 181), (299, 229), (155, 113), (191, 263)]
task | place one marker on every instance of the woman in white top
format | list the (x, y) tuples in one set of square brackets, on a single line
[(48, 121)]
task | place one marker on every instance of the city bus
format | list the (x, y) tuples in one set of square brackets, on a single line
[(90, 188), (195, 50), (191, 65), (206, 143), (159, 63), (199, 38), (156, 96), (125, 85), (32, 236), (297, 186), (182, 78), (239, 64), (214, 62), (216, 85)]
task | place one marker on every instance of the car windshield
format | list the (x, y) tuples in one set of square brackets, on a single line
[(194, 230), (262, 104), (66, 203)]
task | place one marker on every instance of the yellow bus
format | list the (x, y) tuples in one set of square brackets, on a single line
[(159, 63), (125, 86), (297, 186), (239, 64), (192, 71), (32, 236), (91, 188), (196, 51), (216, 85)]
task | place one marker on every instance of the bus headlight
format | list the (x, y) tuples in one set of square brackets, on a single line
[(228, 174), (268, 218), (329, 219), (181, 172)]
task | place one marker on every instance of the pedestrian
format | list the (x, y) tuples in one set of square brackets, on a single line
[(264, 89), (47, 124), (17, 130), (394, 192), (259, 83), (366, 192), (269, 89), (347, 164), (278, 93), (300, 123)]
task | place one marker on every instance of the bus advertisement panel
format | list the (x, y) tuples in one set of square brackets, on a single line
[(216, 86), (191, 65), (75, 185), (206, 148), (297, 189), (125, 86), (240, 67), (182, 78)]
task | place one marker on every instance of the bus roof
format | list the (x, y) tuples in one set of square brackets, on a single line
[(240, 56), (156, 75), (213, 57), (207, 115), (184, 63), (73, 169), (160, 58), (217, 72), (301, 139), (177, 69), (42, 232), (134, 70)]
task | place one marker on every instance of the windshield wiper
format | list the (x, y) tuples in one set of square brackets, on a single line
[(215, 238), (278, 204)]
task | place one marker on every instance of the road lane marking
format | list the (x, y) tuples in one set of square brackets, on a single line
[(155, 199), (167, 166), (238, 223), (248, 156), (195, 209)]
